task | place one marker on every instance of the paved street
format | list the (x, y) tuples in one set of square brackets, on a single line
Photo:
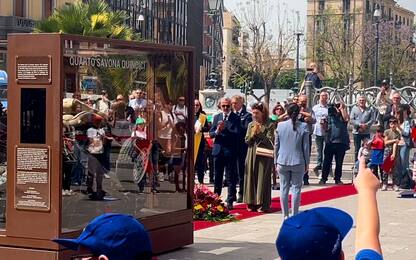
[(254, 238)]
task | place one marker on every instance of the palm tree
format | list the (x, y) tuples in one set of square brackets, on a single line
[(94, 18)]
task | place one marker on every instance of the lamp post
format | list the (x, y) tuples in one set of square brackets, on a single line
[(298, 35), (213, 13), (137, 16), (377, 17)]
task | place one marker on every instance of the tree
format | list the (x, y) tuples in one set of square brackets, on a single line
[(287, 79), (349, 49), (397, 54), (267, 51), (342, 47), (94, 18)]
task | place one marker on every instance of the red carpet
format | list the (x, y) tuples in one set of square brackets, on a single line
[(308, 197)]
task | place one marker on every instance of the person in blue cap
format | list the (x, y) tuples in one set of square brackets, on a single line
[(111, 237), (318, 233)]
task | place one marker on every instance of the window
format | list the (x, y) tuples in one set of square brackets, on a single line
[(321, 5), (20, 8), (367, 7), (346, 5)]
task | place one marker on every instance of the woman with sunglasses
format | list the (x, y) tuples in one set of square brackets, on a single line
[(259, 161), (292, 156), (201, 126), (279, 113)]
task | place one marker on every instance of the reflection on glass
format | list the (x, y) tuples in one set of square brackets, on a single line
[(3, 145), (33, 116), (125, 136)]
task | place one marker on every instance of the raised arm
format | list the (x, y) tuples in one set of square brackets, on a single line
[(368, 220), (276, 145)]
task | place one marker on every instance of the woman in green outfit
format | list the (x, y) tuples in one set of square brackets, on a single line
[(259, 160)]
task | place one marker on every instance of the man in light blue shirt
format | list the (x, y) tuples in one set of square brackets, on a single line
[(362, 120), (321, 114), (139, 102)]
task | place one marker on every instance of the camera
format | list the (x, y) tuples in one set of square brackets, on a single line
[(333, 109)]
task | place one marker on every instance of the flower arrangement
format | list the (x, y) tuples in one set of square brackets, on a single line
[(209, 206)]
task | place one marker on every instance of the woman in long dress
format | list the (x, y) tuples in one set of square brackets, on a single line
[(257, 178)]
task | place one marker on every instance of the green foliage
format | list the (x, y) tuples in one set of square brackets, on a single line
[(175, 76), (94, 18), (287, 79)]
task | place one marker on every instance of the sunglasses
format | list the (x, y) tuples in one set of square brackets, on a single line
[(197, 105), (225, 106), (181, 99)]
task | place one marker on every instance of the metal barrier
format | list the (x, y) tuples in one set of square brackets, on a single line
[(349, 95)]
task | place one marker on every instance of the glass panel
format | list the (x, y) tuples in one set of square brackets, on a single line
[(3, 144), (33, 116), (125, 134)]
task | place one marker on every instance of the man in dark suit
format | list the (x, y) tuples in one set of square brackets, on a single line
[(225, 129), (237, 103)]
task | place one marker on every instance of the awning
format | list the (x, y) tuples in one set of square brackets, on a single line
[(3, 78)]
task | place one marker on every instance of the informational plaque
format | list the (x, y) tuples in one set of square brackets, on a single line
[(32, 184), (33, 70)]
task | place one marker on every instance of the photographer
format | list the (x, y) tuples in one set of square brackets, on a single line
[(362, 120), (313, 75), (336, 141)]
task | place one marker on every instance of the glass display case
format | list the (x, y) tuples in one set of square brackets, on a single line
[(104, 127), (129, 110)]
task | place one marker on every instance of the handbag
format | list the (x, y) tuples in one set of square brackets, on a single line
[(260, 151), (265, 152)]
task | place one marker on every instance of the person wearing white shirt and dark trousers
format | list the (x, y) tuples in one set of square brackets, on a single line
[(321, 114)]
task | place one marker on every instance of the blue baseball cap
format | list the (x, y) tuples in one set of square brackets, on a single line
[(314, 234), (117, 236)]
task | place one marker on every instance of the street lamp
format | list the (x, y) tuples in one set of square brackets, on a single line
[(214, 13), (377, 17), (298, 35), (137, 16)]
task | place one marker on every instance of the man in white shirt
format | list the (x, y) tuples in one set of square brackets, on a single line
[(103, 105), (321, 114), (180, 111), (138, 102)]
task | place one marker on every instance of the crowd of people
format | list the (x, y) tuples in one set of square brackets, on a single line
[(152, 134), (282, 141), (247, 149)]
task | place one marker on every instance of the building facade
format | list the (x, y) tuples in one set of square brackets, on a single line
[(356, 15), (158, 21), (212, 52), (19, 16), (231, 32), (167, 22)]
